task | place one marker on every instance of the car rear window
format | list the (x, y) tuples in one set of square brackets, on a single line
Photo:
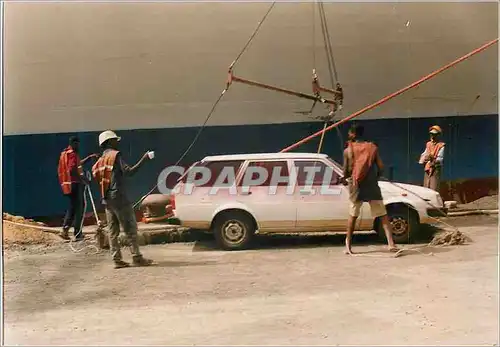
[(216, 169)]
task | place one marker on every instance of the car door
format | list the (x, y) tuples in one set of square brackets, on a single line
[(268, 201), (322, 201), (207, 191)]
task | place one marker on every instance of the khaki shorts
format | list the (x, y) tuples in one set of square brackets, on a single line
[(377, 208)]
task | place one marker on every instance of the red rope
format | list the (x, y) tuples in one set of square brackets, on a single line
[(393, 95)]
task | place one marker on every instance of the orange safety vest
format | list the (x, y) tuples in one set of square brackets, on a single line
[(363, 155), (102, 170), (432, 149), (63, 171)]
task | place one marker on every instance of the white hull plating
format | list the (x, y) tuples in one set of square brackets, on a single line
[(90, 66)]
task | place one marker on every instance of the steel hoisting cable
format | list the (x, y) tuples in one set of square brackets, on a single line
[(253, 35), (190, 145), (328, 42), (314, 60), (331, 67), (314, 34), (393, 95), (215, 103)]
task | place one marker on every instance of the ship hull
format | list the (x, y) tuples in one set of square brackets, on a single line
[(470, 168)]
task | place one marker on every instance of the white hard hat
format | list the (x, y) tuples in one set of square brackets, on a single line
[(107, 135)]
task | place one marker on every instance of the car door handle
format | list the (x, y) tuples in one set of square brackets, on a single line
[(305, 192), (246, 193)]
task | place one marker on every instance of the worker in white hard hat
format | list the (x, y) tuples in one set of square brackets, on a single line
[(109, 172), (432, 158)]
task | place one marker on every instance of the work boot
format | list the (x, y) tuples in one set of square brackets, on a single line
[(119, 264), (141, 261), (64, 234)]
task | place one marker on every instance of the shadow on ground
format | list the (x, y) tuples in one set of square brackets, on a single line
[(62, 284), (205, 241), (409, 251), (183, 263)]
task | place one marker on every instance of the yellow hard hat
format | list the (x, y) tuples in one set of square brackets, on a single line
[(435, 129)]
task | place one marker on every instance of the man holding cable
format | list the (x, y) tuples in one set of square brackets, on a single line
[(110, 172)]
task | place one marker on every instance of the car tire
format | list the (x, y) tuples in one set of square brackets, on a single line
[(404, 222), (234, 231)]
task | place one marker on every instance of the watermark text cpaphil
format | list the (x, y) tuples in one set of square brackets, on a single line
[(310, 180)]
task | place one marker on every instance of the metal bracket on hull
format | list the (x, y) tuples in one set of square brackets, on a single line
[(334, 105), (338, 92), (338, 95), (316, 97)]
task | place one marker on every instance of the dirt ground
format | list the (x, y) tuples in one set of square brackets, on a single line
[(15, 236), (20, 233), (484, 203), (286, 291)]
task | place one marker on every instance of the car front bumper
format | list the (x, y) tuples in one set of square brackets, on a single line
[(436, 213)]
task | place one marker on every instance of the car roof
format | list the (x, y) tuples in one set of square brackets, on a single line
[(263, 156)]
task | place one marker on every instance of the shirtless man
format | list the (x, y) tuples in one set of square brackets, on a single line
[(362, 168)]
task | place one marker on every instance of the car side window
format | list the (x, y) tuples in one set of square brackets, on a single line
[(313, 172), (269, 167), (216, 169)]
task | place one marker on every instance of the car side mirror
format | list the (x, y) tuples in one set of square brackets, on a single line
[(343, 181)]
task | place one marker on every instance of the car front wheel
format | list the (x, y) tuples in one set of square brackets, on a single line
[(234, 230), (404, 224)]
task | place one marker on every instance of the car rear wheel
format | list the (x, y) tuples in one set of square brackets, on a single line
[(234, 231), (404, 224)]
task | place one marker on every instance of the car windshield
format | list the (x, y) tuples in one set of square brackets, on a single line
[(335, 164)]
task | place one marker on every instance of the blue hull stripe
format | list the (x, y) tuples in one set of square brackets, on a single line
[(30, 161)]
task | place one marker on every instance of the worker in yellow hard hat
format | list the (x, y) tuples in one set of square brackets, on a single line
[(432, 158)]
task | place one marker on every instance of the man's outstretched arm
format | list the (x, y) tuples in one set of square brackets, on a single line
[(131, 170), (84, 160), (73, 167)]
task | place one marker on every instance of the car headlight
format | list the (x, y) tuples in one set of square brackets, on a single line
[(439, 200)]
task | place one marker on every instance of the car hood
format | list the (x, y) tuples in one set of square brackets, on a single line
[(399, 188)]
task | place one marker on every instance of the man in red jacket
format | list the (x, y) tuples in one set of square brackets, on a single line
[(73, 183)]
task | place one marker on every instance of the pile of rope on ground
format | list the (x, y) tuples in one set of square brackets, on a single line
[(450, 238)]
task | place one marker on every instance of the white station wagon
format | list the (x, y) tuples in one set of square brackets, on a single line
[(235, 211)]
